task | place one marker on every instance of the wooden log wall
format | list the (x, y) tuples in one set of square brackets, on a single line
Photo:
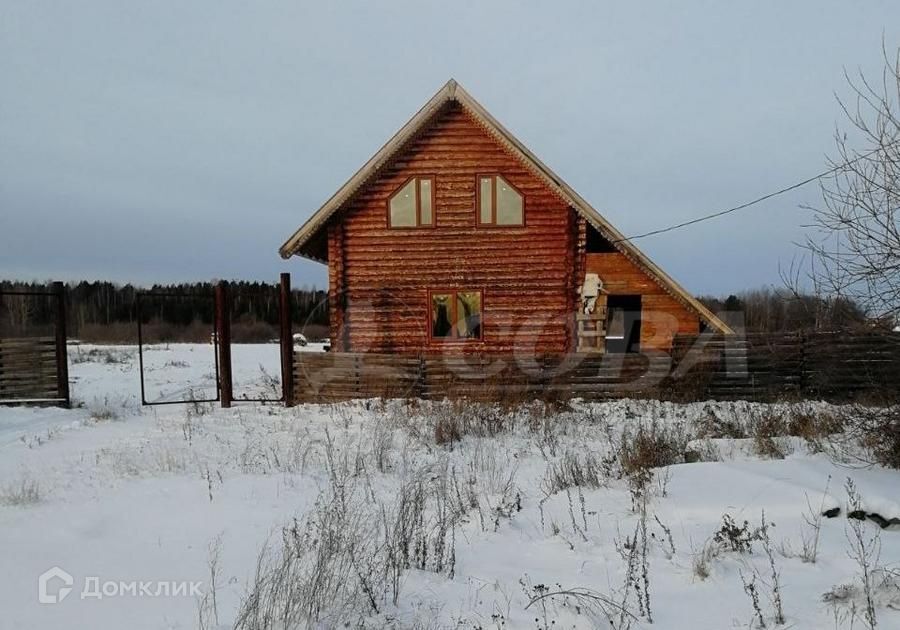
[(28, 369), (526, 272), (662, 316), (838, 367)]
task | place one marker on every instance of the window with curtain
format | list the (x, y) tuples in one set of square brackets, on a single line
[(455, 315)]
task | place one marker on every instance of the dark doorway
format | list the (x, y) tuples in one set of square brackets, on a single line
[(623, 324)]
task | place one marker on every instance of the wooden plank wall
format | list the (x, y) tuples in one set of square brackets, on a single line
[(330, 377), (662, 316), (828, 366), (526, 273), (28, 369), (822, 365)]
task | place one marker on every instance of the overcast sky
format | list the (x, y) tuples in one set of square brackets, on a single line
[(163, 141)]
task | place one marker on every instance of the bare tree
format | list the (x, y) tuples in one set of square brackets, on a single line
[(19, 309), (856, 248)]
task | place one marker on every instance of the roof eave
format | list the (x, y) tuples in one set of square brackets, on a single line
[(368, 170)]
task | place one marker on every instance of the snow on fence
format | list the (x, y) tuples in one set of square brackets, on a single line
[(832, 366)]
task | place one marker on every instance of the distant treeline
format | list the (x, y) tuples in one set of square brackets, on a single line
[(781, 310), (106, 311)]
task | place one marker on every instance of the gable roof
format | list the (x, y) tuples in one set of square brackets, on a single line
[(450, 93)]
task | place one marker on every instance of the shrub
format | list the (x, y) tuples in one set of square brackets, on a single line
[(651, 446), (878, 430), (714, 426), (587, 470), (703, 558), (453, 420), (109, 356), (812, 427), (25, 492), (447, 430), (102, 412), (767, 431), (249, 330), (871, 435), (732, 537)]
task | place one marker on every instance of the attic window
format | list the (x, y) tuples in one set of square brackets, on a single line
[(499, 202), (413, 204)]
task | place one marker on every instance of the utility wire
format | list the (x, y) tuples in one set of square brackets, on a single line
[(720, 213)]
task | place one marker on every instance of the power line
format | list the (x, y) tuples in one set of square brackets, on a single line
[(720, 213)]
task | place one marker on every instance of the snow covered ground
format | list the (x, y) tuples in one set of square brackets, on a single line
[(525, 519)]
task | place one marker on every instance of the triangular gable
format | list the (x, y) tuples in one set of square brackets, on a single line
[(453, 92)]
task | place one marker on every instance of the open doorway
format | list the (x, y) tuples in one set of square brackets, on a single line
[(623, 324)]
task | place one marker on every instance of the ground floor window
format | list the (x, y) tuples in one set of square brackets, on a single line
[(623, 323), (455, 315)]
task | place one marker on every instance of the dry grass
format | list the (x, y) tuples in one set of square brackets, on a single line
[(651, 445), (452, 420), (767, 433), (878, 431), (347, 560), (584, 469), (22, 493), (813, 426), (722, 424), (109, 356)]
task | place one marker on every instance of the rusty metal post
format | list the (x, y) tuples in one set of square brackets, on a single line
[(223, 338), (62, 355), (287, 341)]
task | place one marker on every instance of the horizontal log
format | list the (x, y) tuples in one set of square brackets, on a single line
[(38, 381), (7, 395), (28, 368), (16, 342), (28, 360), (5, 388)]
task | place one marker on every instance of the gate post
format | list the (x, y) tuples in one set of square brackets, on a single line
[(223, 339), (62, 356), (287, 341)]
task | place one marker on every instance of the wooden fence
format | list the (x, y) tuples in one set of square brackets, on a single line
[(34, 368), (329, 377), (836, 366), (28, 370), (325, 377), (831, 366)]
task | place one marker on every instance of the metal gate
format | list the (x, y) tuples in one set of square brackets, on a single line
[(220, 300), (143, 297), (34, 366)]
